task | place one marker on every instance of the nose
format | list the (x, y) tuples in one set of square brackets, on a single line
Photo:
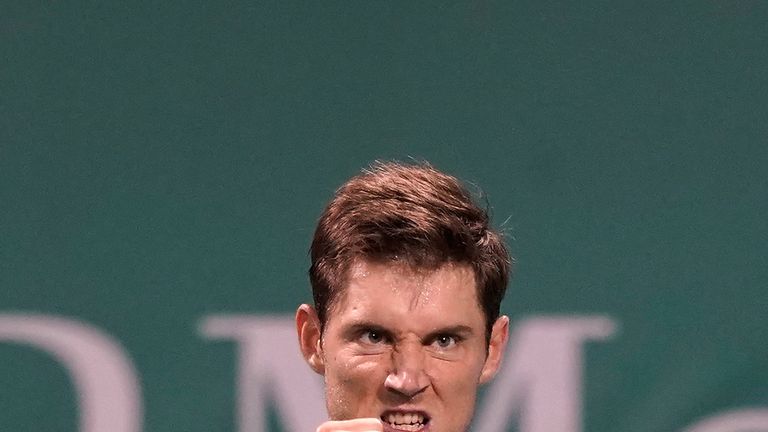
[(407, 377)]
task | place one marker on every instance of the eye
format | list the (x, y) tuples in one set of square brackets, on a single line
[(372, 337), (445, 341)]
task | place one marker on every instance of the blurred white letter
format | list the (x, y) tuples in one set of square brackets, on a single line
[(106, 384), (541, 378), (746, 420), (270, 365)]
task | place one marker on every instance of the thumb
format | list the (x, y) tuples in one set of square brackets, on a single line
[(354, 425)]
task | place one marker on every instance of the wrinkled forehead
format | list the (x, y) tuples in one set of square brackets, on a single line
[(417, 284)]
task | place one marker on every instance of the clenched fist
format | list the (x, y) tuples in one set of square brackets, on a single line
[(355, 425)]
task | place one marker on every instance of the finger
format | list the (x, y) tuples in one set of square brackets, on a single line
[(354, 425)]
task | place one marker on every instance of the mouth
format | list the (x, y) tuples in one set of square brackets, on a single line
[(410, 421)]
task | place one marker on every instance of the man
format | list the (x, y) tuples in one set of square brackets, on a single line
[(407, 278)]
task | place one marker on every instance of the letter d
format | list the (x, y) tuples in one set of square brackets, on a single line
[(107, 388)]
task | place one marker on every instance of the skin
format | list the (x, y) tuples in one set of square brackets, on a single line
[(402, 340)]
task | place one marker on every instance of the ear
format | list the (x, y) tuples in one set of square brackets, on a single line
[(496, 347), (308, 329)]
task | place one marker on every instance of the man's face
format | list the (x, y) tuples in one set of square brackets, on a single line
[(408, 346)]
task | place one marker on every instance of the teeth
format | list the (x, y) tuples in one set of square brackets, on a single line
[(406, 422)]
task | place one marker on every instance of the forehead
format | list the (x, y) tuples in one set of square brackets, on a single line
[(391, 289)]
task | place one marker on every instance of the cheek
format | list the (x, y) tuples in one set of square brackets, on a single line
[(455, 376), (456, 385), (456, 381), (351, 383), (351, 367)]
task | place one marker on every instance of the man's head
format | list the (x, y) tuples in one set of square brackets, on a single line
[(406, 214), (407, 279)]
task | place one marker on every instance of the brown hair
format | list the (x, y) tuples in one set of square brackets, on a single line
[(409, 213)]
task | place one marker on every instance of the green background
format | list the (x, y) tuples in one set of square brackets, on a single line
[(160, 162)]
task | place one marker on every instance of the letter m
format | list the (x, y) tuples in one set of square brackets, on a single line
[(541, 379), (270, 368)]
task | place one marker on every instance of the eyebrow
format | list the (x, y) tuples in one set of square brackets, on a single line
[(357, 326), (352, 329), (459, 330)]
